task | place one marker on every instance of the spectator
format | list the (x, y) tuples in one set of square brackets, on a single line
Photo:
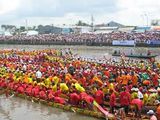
[(151, 115)]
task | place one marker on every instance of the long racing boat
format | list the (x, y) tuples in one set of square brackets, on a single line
[(137, 56)]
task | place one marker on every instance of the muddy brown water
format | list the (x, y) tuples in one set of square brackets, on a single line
[(20, 109)]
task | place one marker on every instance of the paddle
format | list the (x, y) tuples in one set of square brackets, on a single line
[(7, 97), (73, 110), (106, 113)]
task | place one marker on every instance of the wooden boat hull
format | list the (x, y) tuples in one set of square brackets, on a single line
[(137, 56)]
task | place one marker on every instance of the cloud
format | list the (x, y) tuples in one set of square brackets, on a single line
[(58, 8), (69, 11), (6, 6), (137, 11)]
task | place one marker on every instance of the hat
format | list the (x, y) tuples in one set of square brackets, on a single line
[(150, 112), (152, 90), (158, 89), (134, 89), (153, 73), (157, 102)]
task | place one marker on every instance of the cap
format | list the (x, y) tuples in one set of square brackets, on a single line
[(150, 112)]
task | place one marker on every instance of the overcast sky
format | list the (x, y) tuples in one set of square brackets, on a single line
[(127, 12)]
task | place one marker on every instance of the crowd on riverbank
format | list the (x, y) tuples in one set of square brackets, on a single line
[(84, 37), (57, 76)]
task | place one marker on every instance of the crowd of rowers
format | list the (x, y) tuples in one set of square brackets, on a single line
[(54, 75)]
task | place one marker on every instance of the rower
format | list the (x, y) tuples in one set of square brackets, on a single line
[(119, 52), (115, 52), (38, 75), (131, 52), (148, 53)]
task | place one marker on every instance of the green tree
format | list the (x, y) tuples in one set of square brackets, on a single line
[(80, 23), (22, 28)]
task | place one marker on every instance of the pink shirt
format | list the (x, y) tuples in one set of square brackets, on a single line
[(153, 117)]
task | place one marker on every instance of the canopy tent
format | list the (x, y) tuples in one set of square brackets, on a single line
[(32, 32)]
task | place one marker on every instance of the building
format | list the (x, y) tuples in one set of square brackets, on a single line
[(140, 29), (49, 29), (127, 29), (109, 27)]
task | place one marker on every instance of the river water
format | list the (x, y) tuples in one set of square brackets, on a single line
[(17, 109), (87, 51)]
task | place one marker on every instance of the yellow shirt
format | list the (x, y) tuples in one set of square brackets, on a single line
[(145, 98), (152, 98), (47, 82), (54, 88), (134, 95), (63, 87), (30, 80), (55, 79), (111, 86), (79, 87)]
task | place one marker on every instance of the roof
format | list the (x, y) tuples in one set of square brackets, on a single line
[(110, 24), (32, 32), (114, 24)]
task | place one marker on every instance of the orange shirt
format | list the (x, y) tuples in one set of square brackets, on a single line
[(107, 73), (119, 79), (134, 80), (124, 80), (158, 111), (96, 79), (77, 63), (68, 77), (26, 79)]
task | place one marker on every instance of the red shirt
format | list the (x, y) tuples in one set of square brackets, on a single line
[(129, 87), (99, 96), (124, 98), (83, 95), (74, 98), (42, 95), (59, 100), (3, 84), (57, 93), (29, 91), (20, 90), (112, 101), (24, 85), (89, 99), (155, 80), (15, 86), (50, 95), (11, 85), (35, 91), (137, 102)]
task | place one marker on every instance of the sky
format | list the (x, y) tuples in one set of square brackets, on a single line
[(58, 12)]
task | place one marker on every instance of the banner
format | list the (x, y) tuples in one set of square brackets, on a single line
[(153, 42), (123, 42)]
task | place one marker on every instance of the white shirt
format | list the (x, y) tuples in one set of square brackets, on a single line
[(24, 67), (38, 74), (140, 95)]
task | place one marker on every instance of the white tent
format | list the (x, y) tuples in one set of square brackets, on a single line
[(32, 32), (7, 34), (1, 33)]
